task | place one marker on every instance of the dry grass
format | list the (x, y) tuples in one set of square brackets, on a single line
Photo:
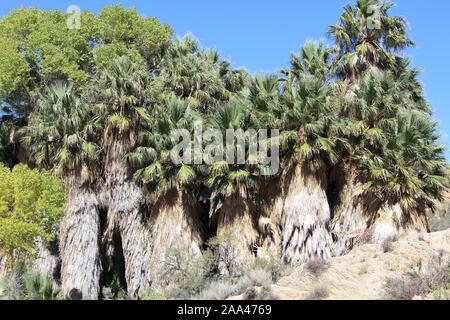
[(264, 293), (254, 285), (319, 293), (420, 281), (388, 244), (316, 267)]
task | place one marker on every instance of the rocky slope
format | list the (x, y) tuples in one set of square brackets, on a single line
[(362, 273)]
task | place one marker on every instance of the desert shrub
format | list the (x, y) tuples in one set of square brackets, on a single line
[(154, 296), (316, 267), (222, 289), (405, 288), (420, 281), (274, 266), (223, 252), (388, 244), (191, 276), (115, 290), (254, 278), (264, 293), (219, 290), (199, 278), (318, 293), (40, 287), (20, 285), (440, 222), (11, 286)]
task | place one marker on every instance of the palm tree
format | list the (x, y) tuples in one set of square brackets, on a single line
[(304, 113), (368, 40), (371, 122), (365, 114), (262, 97), (123, 112), (198, 75), (176, 218), (306, 212), (313, 59), (407, 177), (59, 137), (367, 37), (236, 182)]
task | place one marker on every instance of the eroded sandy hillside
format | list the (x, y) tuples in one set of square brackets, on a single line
[(362, 273)]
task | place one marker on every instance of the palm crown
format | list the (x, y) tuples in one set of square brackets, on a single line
[(410, 167), (60, 134), (230, 177), (199, 76), (366, 36), (121, 89), (153, 161)]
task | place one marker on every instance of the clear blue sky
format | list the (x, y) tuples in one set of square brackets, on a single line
[(260, 34)]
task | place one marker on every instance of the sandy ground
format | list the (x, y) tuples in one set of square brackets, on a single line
[(362, 273)]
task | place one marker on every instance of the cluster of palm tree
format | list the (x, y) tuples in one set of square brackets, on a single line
[(359, 155)]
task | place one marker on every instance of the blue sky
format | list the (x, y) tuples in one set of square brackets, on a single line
[(260, 34)]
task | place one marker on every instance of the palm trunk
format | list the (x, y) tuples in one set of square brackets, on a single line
[(79, 245), (237, 234), (415, 220), (393, 221), (3, 266), (176, 227), (350, 215), (386, 225), (126, 216), (273, 191), (306, 215), (128, 213)]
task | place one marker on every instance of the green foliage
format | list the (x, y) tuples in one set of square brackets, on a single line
[(313, 60), (107, 53), (307, 119), (191, 275), (365, 36), (31, 203), (51, 49), (154, 296), (59, 134), (155, 168), (40, 287), (120, 83), (23, 285), (198, 75), (224, 176), (38, 48), (117, 24), (14, 69), (114, 290), (120, 92)]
